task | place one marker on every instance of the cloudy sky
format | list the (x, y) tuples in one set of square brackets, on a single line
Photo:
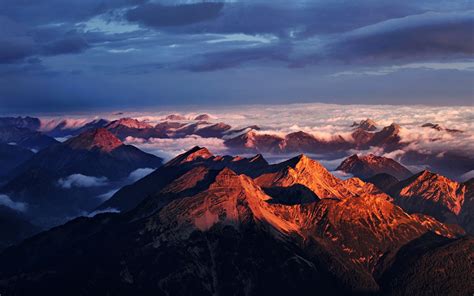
[(58, 55)]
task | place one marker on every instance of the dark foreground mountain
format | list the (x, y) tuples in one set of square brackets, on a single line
[(429, 265), (10, 157), (383, 181), (211, 231), (14, 227)]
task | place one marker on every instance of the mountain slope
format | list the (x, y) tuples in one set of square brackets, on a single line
[(31, 123), (431, 265), (304, 171), (25, 138), (10, 157), (93, 153), (366, 125), (212, 231), (14, 227), (65, 128), (130, 196), (70, 179), (369, 165), (383, 181), (431, 194), (466, 216)]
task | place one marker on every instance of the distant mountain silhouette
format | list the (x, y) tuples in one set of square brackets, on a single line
[(65, 179)]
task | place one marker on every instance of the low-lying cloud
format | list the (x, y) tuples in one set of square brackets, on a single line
[(324, 121), (82, 181), (342, 175), (5, 200), (107, 210), (139, 173), (169, 148), (106, 196)]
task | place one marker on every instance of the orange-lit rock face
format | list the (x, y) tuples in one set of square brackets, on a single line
[(100, 139), (431, 194), (196, 153), (363, 224), (199, 222), (370, 165), (230, 199), (305, 171), (128, 122)]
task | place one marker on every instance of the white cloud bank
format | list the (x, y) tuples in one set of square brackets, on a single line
[(80, 180), (169, 148), (322, 120)]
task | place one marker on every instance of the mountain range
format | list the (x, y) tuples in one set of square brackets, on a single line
[(203, 224), (361, 137), (123, 222), (66, 179)]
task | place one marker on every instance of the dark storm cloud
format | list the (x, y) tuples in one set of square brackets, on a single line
[(88, 53), (20, 44), (232, 58), (258, 17), (415, 37), (13, 49), (72, 44), (14, 43), (157, 15), (55, 11)]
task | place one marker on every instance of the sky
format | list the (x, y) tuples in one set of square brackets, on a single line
[(79, 55)]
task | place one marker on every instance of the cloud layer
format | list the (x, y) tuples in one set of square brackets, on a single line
[(84, 54), (324, 121), (82, 181)]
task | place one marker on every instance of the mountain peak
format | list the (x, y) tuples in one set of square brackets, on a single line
[(430, 193), (194, 153), (304, 164), (201, 117), (300, 158), (258, 158), (394, 127), (369, 165), (372, 158), (304, 171), (439, 128), (99, 138), (224, 176), (366, 125), (128, 122), (175, 117), (426, 175)]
